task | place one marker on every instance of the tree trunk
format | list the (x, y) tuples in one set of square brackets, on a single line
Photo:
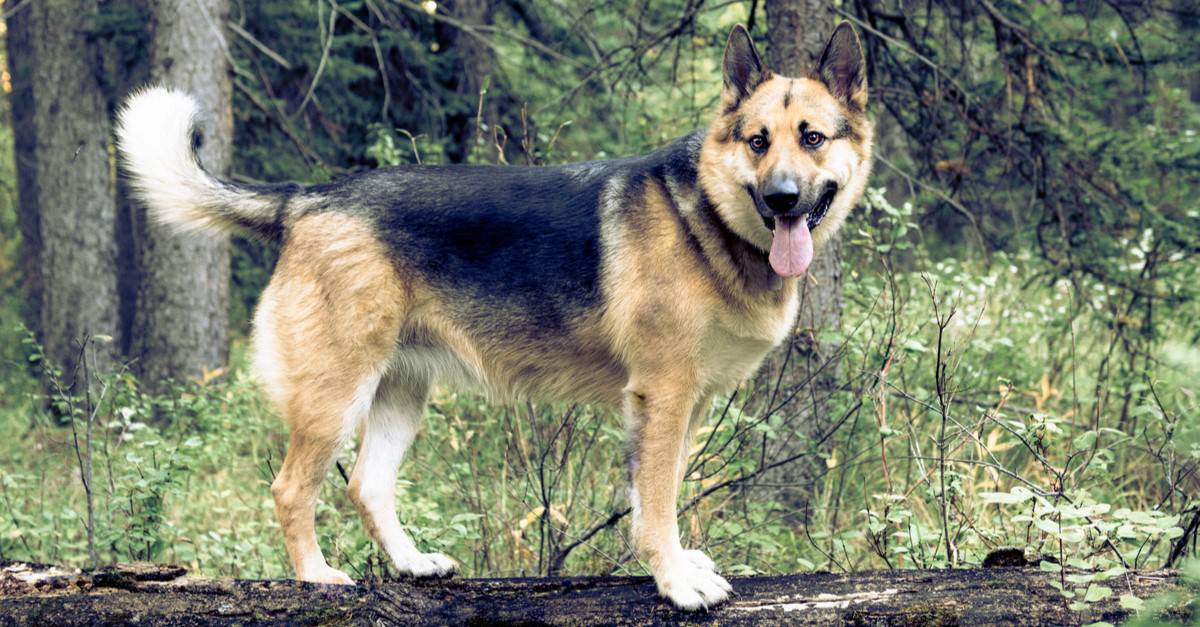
[(162, 595), (796, 34), (21, 67), (181, 320), (68, 214)]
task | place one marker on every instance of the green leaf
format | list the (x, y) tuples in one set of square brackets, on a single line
[(1049, 567), (1049, 526), (1016, 495), (1096, 593), (1072, 535), (1131, 602), (1115, 571), (1085, 441)]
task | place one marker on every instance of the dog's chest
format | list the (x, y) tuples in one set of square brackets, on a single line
[(737, 340)]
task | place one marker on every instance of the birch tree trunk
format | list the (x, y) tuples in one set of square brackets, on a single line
[(181, 322)]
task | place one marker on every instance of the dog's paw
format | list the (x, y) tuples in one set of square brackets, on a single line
[(699, 560), (326, 574), (690, 582), (426, 565)]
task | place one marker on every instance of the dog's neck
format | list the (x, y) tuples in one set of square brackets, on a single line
[(740, 265)]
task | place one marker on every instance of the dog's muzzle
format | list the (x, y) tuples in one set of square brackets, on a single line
[(784, 198)]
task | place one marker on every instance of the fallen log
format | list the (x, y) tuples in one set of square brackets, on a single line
[(165, 595)]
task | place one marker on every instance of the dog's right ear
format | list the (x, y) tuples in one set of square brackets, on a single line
[(743, 67)]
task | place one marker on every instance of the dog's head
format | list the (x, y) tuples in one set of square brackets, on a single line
[(787, 158)]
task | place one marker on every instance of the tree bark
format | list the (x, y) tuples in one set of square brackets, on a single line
[(21, 68), (181, 319), (36, 595), (796, 34), (68, 214)]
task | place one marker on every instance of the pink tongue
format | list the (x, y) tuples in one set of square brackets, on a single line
[(792, 248)]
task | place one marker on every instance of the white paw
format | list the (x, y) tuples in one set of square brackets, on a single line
[(699, 560), (326, 574), (426, 565), (690, 582)]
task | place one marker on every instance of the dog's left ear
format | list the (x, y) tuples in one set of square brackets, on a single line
[(843, 67)]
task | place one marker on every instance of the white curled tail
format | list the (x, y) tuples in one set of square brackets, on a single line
[(156, 137)]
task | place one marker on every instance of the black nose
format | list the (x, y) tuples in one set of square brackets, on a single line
[(781, 195)]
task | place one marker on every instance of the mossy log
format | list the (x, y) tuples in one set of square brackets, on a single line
[(164, 595)]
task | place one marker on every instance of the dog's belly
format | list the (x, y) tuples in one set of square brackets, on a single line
[(516, 367)]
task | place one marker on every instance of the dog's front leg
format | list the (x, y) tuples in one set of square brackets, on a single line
[(658, 420)]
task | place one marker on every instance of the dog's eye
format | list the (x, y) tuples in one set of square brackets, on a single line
[(812, 139), (758, 144)]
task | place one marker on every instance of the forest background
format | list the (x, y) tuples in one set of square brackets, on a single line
[(1003, 352)]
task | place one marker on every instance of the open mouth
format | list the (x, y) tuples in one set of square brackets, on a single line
[(815, 214), (791, 233)]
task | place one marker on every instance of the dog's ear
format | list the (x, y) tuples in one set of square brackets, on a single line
[(743, 67), (843, 67)]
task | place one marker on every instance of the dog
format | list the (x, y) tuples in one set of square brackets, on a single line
[(651, 283)]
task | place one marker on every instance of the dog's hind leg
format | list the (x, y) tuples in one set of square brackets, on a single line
[(387, 433), (311, 451), (322, 408), (325, 332)]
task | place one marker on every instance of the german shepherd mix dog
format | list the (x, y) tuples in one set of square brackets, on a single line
[(652, 283)]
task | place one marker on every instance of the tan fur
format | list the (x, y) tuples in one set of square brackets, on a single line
[(326, 327)]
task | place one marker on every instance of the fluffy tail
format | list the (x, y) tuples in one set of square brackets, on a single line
[(157, 137)]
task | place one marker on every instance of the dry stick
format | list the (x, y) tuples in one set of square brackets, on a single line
[(384, 77), (940, 380), (254, 41), (281, 119), (881, 398), (477, 30), (608, 60), (85, 470), (312, 87), (899, 45), (478, 140), (13, 11), (413, 141), (1181, 542), (85, 461)]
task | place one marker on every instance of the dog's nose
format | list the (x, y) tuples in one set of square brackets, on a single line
[(781, 194)]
